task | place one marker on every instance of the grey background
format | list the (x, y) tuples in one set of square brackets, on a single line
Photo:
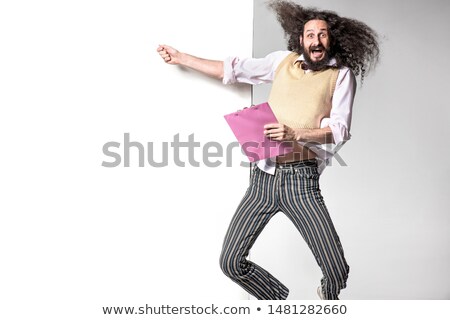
[(390, 204)]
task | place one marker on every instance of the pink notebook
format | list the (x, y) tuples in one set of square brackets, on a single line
[(248, 127)]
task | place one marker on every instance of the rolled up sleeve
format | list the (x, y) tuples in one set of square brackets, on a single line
[(342, 105), (252, 70), (228, 70)]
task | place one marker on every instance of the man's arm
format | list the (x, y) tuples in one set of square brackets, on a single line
[(281, 132), (212, 68)]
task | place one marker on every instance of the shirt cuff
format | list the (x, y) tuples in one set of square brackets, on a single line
[(228, 72), (340, 133)]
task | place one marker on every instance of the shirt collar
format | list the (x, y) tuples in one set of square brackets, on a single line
[(332, 61)]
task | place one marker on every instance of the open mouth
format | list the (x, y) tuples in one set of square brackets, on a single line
[(317, 52)]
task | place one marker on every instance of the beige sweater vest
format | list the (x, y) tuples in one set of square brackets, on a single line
[(299, 99)]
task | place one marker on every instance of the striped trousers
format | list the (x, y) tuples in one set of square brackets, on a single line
[(293, 190)]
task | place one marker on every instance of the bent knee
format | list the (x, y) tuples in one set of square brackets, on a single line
[(231, 267)]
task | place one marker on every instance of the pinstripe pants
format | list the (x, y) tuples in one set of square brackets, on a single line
[(295, 192)]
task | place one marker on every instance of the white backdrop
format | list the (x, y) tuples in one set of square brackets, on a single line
[(390, 203), (75, 235)]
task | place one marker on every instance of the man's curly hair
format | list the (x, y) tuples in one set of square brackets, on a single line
[(353, 43)]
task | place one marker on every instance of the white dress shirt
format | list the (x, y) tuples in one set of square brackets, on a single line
[(256, 71)]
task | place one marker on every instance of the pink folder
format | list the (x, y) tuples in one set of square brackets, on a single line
[(248, 127)]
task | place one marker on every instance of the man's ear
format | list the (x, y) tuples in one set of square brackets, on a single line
[(301, 40)]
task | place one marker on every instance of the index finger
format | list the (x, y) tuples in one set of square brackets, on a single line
[(161, 47), (271, 125)]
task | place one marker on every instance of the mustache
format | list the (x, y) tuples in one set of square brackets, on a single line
[(319, 47)]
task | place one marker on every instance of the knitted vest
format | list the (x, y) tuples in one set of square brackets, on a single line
[(299, 99)]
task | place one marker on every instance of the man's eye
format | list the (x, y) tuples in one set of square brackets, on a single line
[(310, 35)]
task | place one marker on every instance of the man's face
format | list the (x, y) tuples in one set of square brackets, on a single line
[(316, 42)]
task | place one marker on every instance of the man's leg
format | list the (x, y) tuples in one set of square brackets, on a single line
[(302, 202), (253, 213)]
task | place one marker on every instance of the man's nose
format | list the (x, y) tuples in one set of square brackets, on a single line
[(315, 41)]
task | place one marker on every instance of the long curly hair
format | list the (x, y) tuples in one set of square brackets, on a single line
[(353, 43)]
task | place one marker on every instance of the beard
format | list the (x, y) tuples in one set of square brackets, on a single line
[(317, 65)]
